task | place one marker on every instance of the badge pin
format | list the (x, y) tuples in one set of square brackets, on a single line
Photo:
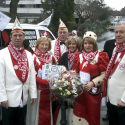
[(122, 66), (15, 67), (93, 61)]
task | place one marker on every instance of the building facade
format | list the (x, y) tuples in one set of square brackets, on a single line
[(27, 9)]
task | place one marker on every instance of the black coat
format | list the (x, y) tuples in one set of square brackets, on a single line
[(109, 46), (64, 60)]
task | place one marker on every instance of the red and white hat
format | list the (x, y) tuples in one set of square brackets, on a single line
[(17, 27), (74, 33), (62, 25)]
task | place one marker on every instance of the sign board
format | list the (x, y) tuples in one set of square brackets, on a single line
[(4, 20), (49, 70)]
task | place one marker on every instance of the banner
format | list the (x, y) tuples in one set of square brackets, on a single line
[(46, 22), (4, 20)]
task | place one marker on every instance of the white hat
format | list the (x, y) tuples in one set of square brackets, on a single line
[(90, 34), (74, 33), (17, 27), (62, 25)]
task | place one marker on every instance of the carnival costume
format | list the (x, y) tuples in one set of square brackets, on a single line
[(17, 78), (43, 111), (58, 47), (87, 106)]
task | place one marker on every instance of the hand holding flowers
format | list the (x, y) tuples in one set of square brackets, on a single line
[(67, 85)]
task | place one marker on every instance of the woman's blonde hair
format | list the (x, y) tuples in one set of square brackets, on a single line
[(43, 39), (77, 40), (91, 41)]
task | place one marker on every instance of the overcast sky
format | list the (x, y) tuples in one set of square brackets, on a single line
[(116, 4)]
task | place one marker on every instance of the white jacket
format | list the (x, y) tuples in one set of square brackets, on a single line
[(62, 47), (11, 87), (52, 46), (116, 83)]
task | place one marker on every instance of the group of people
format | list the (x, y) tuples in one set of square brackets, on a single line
[(25, 96)]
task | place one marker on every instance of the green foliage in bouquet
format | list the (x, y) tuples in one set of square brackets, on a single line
[(66, 87)]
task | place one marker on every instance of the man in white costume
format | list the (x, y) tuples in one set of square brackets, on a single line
[(17, 78), (115, 79), (58, 45)]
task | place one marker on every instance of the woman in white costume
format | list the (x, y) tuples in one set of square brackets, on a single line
[(40, 114)]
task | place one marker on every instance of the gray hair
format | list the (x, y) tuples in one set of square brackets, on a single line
[(120, 23)]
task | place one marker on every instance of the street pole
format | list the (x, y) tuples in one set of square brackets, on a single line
[(63, 120), (51, 108)]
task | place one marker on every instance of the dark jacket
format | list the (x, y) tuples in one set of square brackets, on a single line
[(64, 60), (109, 46)]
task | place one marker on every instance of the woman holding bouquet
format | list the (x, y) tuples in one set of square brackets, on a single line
[(91, 66), (40, 114), (67, 60)]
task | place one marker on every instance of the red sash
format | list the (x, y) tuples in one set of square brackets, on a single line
[(71, 56), (43, 57), (20, 62), (112, 69)]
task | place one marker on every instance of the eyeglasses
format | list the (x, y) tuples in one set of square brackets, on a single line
[(62, 32), (20, 35), (121, 32)]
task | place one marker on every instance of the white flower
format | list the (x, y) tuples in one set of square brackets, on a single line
[(78, 83), (59, 80), (73, 80), (63, 79), (66, 89), (55, 85), (60, 88), (56, 80), (73, 91), (66, 82), (65, 75), (68, 93)]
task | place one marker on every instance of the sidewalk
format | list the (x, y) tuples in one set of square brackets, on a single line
[(103, 113)]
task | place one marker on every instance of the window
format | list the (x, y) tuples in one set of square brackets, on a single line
[(30, 35), (50, 35)]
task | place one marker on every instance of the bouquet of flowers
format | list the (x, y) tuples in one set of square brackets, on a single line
[(66, 85)]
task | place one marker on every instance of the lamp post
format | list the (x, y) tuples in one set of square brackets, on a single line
[(63, 120)]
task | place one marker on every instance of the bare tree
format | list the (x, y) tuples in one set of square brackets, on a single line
[(80, 9), (13, 9), (123, 11), (93, 10)]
